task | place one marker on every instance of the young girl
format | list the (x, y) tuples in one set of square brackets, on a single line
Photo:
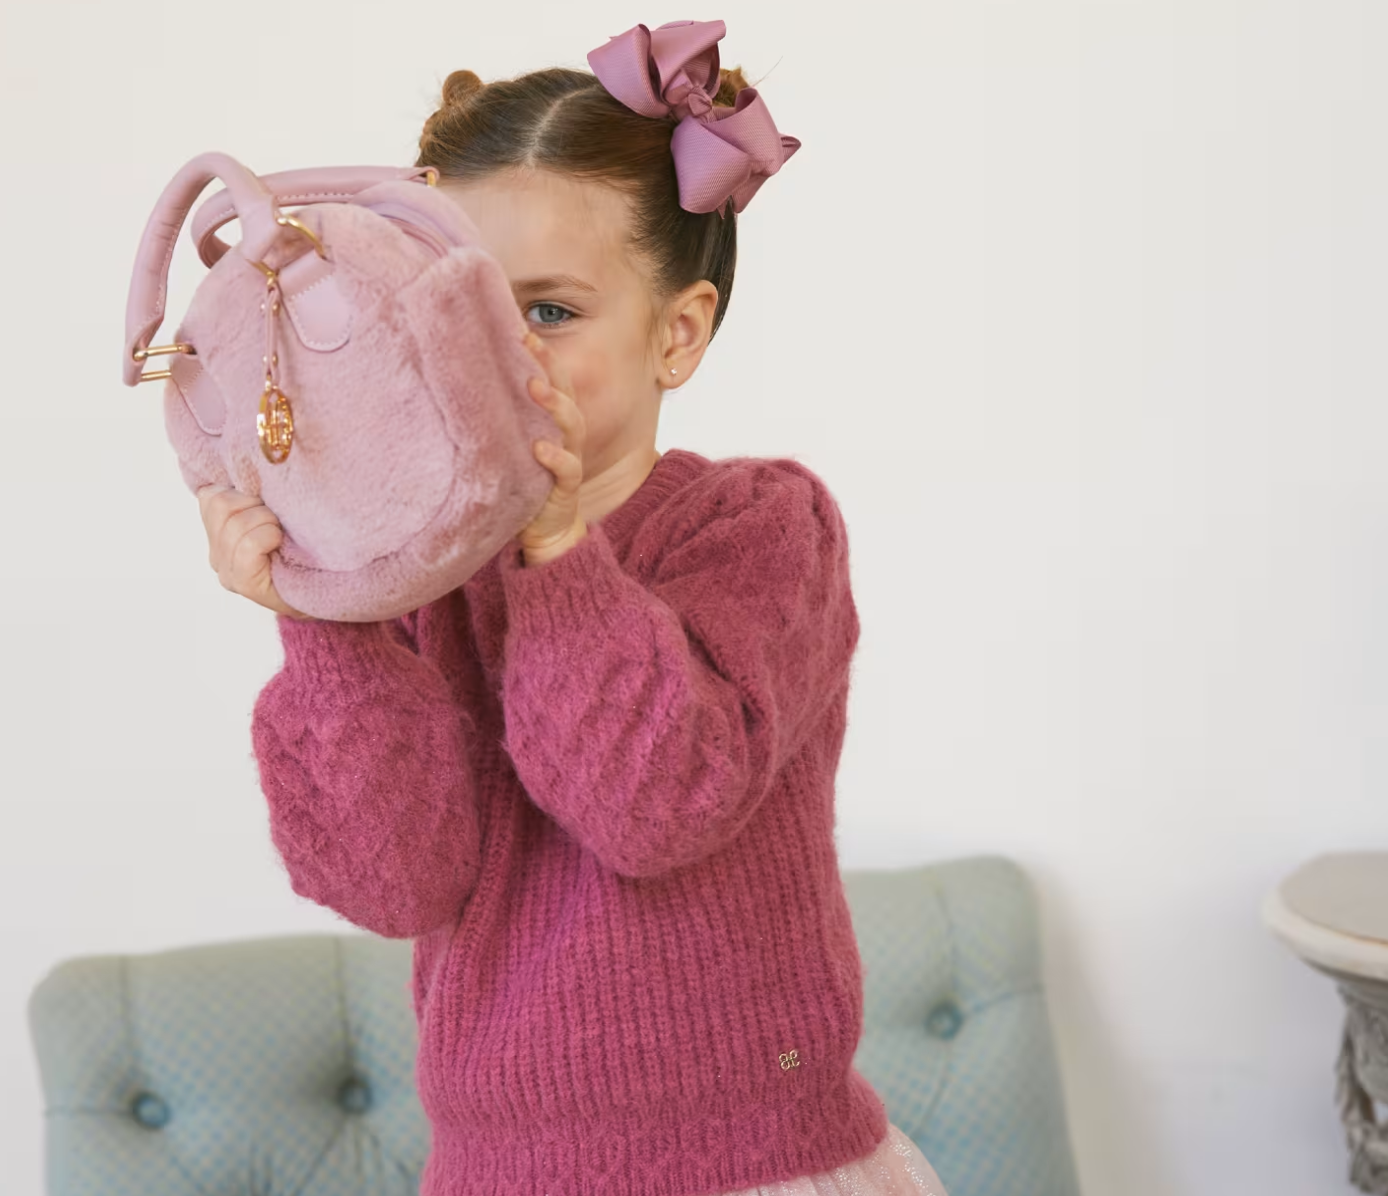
[(595, 783)]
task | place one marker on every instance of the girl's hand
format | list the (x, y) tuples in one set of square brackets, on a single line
[(558, 526), (242, 532)]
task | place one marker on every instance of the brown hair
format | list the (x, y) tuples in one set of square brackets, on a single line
[(566, 121)]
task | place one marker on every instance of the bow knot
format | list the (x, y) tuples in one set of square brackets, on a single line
[(688, 99), (720, 152)]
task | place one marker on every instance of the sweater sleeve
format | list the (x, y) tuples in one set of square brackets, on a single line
[(361, 754), (650, 720)]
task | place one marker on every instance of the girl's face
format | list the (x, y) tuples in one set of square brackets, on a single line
[(561, 242)]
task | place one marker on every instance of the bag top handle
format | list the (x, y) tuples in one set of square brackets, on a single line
[(144, 305), (312, 184), (252, 199)]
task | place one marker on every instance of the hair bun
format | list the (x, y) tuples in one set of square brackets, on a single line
[(730, 81), (459, 85)]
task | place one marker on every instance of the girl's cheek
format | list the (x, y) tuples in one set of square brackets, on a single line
[(583, 380)]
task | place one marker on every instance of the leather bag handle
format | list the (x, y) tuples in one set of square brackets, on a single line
[(250, 198), (144, 305), (311, 184)]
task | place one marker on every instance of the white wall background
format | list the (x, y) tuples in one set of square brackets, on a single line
[(1078, 308)]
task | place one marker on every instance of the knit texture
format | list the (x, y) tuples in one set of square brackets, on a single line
[(599, 795)]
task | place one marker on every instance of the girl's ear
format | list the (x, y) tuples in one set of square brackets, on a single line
[(688, 324)]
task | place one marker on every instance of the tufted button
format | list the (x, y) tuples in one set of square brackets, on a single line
[(355, 1096), (149, 1110), (944, 1020)]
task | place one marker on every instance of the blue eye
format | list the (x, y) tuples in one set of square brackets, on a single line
[(552, 307)]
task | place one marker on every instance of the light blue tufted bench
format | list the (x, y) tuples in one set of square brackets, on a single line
[(285, 1065)]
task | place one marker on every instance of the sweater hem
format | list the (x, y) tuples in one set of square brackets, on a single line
[(701, 1149)]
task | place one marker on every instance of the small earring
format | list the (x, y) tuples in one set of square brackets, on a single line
[(672, 371)]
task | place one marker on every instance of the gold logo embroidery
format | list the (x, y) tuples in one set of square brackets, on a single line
[(790, 1059)]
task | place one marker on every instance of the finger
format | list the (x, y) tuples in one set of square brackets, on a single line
[(214, 516), (231, 534), (561, 406), (219, 503), (240, 522), (567, 418), (245, 562), (566, 467), (569, 471), (214, 492), (257, 542), (206, 499), (237, 500), (555, 373), (544, 392)]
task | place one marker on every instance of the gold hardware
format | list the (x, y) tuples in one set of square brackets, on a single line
[(154, 350), (790, 1059), (294, 222), (275, 424)]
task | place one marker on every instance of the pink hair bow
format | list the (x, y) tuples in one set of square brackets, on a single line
[(720, 152)]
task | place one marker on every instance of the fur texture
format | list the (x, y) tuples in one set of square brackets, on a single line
[(411, 459)]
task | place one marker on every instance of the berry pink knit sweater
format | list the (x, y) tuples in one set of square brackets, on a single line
[(599, 796)]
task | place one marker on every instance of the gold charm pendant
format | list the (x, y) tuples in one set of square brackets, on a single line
[(275, 423)]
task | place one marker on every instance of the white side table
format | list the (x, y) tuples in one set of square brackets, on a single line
[(1333, 912)]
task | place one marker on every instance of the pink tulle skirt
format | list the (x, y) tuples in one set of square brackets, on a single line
[(895, 1168)]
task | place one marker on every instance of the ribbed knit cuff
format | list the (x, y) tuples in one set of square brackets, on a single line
[(329, 652), (576, 586)]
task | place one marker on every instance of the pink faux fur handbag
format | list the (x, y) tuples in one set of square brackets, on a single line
[(357, 365)]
